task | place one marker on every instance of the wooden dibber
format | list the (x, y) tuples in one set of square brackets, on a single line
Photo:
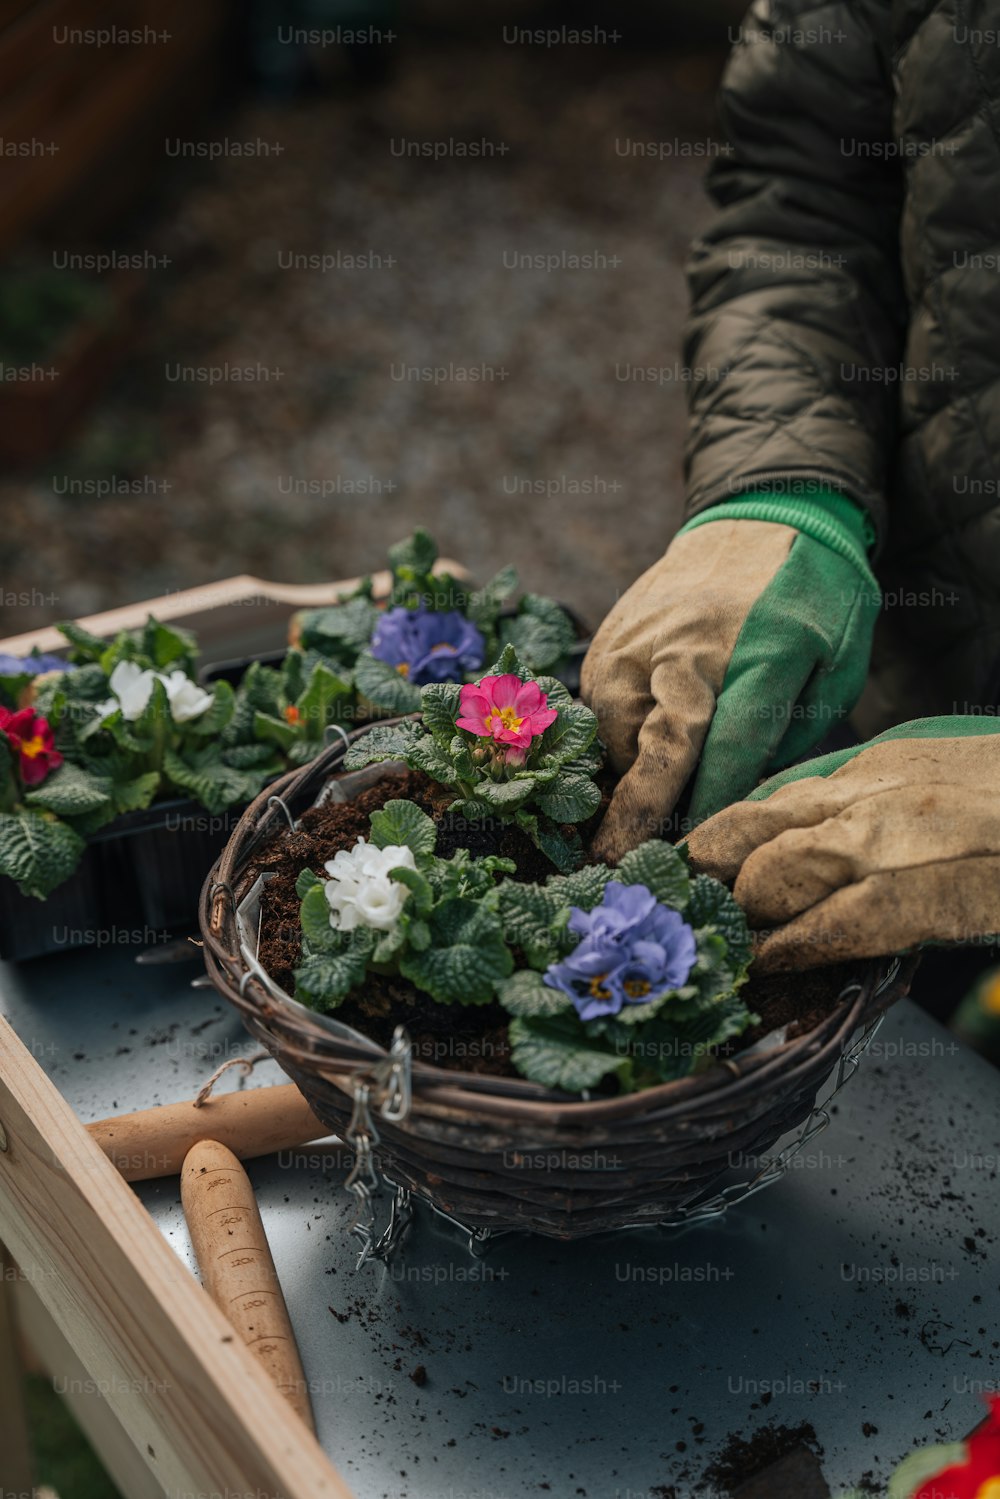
[(256, 1121), (236, 1266)]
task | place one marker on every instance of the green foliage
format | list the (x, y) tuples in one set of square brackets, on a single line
[(466, 957), (341, 631), (662, 869), (71, 791), (556, 1051), (276, 718), (541, 631), (552, 789), (525, 995), (37, 851), (402, 822), (668, 1036), (324, 979), (449, 938), (711, 905), (382, 685)]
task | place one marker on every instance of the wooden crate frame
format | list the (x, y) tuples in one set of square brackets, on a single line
[(184, 1399)]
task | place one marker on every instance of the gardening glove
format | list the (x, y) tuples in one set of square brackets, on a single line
[(742, 646), (868, 850)]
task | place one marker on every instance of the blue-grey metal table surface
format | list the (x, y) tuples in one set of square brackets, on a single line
[(858, 1296)]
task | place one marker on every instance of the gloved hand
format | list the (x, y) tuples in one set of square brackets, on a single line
[(868, 850), (743, 645)]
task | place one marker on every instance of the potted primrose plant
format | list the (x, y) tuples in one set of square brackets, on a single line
[(528, 1038), (431, 628), (584, 976), (120, 778)]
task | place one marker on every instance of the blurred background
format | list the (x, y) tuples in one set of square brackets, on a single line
[(231, 233), (282, 279)]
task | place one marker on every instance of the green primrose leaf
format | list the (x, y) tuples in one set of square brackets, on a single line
[(467, 957), (339, 631), (38, 851), (571, 798), (557, 1052), (485, 603), (252, 756), (260, 685), (572, 734), (711, 904), (584, 887), (525, 993), (439, 707), (215, 718), (325, 979), (565, 853), (421, 893), (86, 647), (383, 685), (317, 705), (426, 756), (384, 742), (541, 632), (510, 664), (168, 645), (415, 554), (661, 868), (71, 791), (314, 916), (403, 822), (558, 694), (210, 781), (307, 881), (506, 796), (530, 915)]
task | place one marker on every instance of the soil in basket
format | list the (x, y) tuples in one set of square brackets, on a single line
[(473, 1038)]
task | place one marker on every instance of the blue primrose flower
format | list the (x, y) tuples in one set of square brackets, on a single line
[(632, 950), (428, 646), (31, 666)]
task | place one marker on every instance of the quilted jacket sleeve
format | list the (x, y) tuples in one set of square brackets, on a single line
[(798, 314)]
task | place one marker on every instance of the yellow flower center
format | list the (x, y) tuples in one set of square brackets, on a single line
[(637, 988), (989, 1490), (403, 668), (991, 1004), (507, 717), (33, 747), (597, 989)]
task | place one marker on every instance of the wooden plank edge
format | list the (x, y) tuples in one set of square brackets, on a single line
[(240, 592), (194, 1401)]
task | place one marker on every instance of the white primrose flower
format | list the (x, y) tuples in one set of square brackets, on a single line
[(187, 700), (359, 889), (132, 686)]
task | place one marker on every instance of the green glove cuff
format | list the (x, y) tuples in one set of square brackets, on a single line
[(827, 517), (951, 726)]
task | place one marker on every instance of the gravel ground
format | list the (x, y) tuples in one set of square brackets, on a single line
[(555, 461)]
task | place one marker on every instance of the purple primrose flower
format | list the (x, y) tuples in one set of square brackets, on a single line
[(632, 949), (428, 646)]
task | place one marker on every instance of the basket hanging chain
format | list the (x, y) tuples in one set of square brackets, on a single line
[(390, 1082), (778, 1166)]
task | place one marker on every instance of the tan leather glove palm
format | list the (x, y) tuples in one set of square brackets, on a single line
[(869, 850)]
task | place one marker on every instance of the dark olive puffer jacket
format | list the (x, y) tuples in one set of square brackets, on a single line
[(846, 312)]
